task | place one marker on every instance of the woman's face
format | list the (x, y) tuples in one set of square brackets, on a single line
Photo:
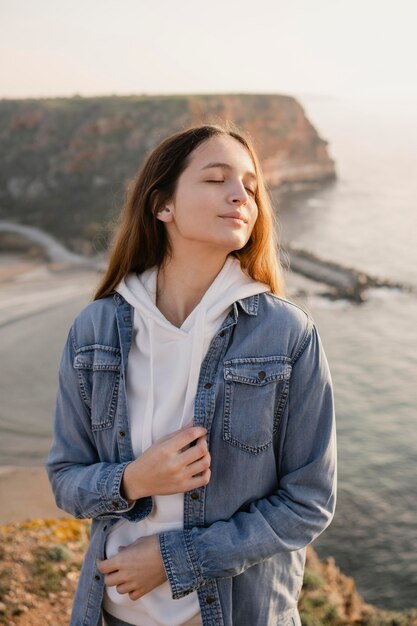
[(214, 205)]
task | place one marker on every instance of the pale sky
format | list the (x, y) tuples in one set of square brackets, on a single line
[(364, 48)]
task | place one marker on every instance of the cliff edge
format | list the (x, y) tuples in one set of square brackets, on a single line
[(66, 162), (40, 560)]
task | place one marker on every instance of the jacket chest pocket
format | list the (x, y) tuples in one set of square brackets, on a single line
[(256, 390), (99, 374)]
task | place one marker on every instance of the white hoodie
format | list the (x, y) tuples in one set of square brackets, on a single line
[(162, 378)]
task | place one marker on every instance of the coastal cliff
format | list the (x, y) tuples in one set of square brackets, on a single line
[(66, 162), (40, 561)]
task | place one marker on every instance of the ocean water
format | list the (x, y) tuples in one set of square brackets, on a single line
[(368, 219), (365, 219)]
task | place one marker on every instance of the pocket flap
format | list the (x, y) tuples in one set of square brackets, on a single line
[(98, 358), (257, 370)]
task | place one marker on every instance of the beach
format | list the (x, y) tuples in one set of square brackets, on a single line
[(25, 493), (30, 291)]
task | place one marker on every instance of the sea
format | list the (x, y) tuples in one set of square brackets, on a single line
[(366, 219)]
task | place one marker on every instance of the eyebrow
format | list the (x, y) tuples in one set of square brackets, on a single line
[(226, 166)]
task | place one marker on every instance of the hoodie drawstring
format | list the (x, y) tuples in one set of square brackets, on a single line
[(148, 419)]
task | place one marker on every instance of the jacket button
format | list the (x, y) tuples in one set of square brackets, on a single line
[(221, 334), (122, 433), (96, 577), (261, 374), (195, 495), (209, 599), (104, 528), (115, 503), (208, 386)]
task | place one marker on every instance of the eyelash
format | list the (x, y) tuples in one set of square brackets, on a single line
[(222, 181)]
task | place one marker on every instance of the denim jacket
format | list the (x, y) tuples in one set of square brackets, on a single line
[(265, 396)]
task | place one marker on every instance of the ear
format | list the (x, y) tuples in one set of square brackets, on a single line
[(164, 214), (161, 207)]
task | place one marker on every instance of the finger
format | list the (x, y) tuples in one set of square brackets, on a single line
[(106, 566), (199, 480), (123, 588), (186, 436), (199, 466), (189, 424), (115, 578), (193, 453), (135, 595)]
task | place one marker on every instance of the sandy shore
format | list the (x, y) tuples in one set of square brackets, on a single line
[(25, 493), (12, 265), (28, 287)]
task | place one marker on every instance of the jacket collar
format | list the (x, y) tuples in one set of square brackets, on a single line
[(249, 305)]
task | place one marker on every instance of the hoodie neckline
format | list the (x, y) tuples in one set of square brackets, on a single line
[(148, 279)]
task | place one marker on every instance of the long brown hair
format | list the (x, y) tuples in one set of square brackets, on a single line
[(141, 240)]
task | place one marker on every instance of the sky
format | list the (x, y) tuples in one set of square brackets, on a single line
[(357, 48)]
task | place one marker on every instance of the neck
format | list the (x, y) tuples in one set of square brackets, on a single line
[(181, 285)]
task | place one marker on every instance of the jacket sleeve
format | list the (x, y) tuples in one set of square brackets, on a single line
[(293, 516), (83, 485)]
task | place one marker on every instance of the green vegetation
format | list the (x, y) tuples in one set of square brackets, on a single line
[(4, 584), (46, 576), (390, 618), (317, 610), (41, 559), (312, 580), (57, 554)]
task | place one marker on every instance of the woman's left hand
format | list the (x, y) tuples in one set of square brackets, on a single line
[(136, 569)]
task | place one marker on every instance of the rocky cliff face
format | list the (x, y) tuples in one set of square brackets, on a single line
[(66, 161), (289, 146)]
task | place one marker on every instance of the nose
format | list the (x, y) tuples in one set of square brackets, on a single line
[(239, 195)]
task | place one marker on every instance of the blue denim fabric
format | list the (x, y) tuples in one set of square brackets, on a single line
[(265, 395)]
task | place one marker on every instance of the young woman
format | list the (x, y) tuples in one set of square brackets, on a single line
[(194, 419)]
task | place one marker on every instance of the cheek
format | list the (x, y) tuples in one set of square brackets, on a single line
[(193, 221), (254, 215)]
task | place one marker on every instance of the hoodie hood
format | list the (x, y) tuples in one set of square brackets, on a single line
[(167, 359)]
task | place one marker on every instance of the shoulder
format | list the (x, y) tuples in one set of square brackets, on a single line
[(96, 323), (294, 323), (283, 309), (96, 311), (287, 307)]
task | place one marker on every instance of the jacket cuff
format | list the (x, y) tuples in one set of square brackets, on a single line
[(180, 562), (114, 504)]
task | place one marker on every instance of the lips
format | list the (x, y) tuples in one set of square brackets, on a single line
[(236, 215)]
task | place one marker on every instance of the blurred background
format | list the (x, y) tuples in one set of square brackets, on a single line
[(328, 91)]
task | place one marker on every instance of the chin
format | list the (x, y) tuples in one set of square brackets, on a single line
[(232, 247), (238, 245), (227, 244)]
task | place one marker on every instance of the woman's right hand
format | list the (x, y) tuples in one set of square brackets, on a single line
[(171, 465)]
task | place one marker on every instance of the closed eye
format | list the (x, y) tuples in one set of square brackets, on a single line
[(248, 189)]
